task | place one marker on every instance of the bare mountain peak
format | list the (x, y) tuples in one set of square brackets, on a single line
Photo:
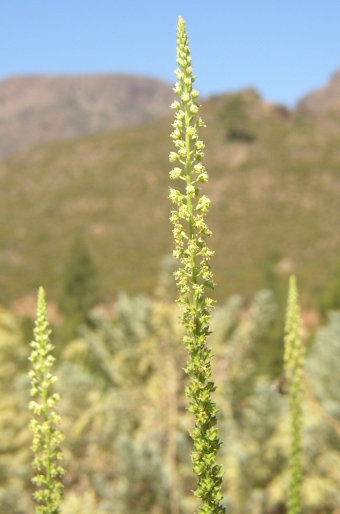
[(323, 100)]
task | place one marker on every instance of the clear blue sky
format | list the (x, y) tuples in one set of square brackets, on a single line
[(283, 48)]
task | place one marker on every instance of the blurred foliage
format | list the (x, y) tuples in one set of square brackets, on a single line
[(235, 117), (124, 416), (268, 349), (330, 296), (79, 288)]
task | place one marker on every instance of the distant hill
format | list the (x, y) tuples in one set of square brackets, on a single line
[(274, 185), (323, 100), (34, 109)]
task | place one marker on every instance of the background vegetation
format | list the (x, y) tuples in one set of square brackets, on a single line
[(275, 186), (274, 202), (124, 412)]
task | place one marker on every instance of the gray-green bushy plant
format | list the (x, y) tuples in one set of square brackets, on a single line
[(190, 233)]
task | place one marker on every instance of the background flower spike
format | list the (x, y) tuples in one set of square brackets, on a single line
[(46, 436), (293, 365)]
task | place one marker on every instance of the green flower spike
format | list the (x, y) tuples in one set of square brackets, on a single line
[(293, 363), (46, 437), (190, 233)]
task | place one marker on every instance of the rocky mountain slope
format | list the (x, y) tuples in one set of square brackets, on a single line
[(323, 100), (41, 108)]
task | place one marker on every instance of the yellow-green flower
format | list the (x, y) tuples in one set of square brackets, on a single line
[(293, 364), (194, 275), (46, 436)]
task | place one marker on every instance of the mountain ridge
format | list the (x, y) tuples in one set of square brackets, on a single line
[(323, 100), (39, 108)]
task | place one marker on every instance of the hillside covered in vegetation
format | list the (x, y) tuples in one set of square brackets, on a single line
[(275, 184)]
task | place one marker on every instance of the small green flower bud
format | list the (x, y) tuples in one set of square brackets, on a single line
[(175, 105), (177, 89), (177, 124), (198, 168), (173, 157), (180, 75), (185, 98), (203, 204), (200, 122), (203, 177), (191, 131), (175, 173), (199, 145), (175, 134), (179, 143), (190, 190)]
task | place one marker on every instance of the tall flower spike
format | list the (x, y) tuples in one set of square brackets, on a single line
[(190, 233), (46, 436), (293, 363)]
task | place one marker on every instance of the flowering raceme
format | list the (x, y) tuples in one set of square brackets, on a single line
[(46, 436), (190, 232), (293, 363)]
